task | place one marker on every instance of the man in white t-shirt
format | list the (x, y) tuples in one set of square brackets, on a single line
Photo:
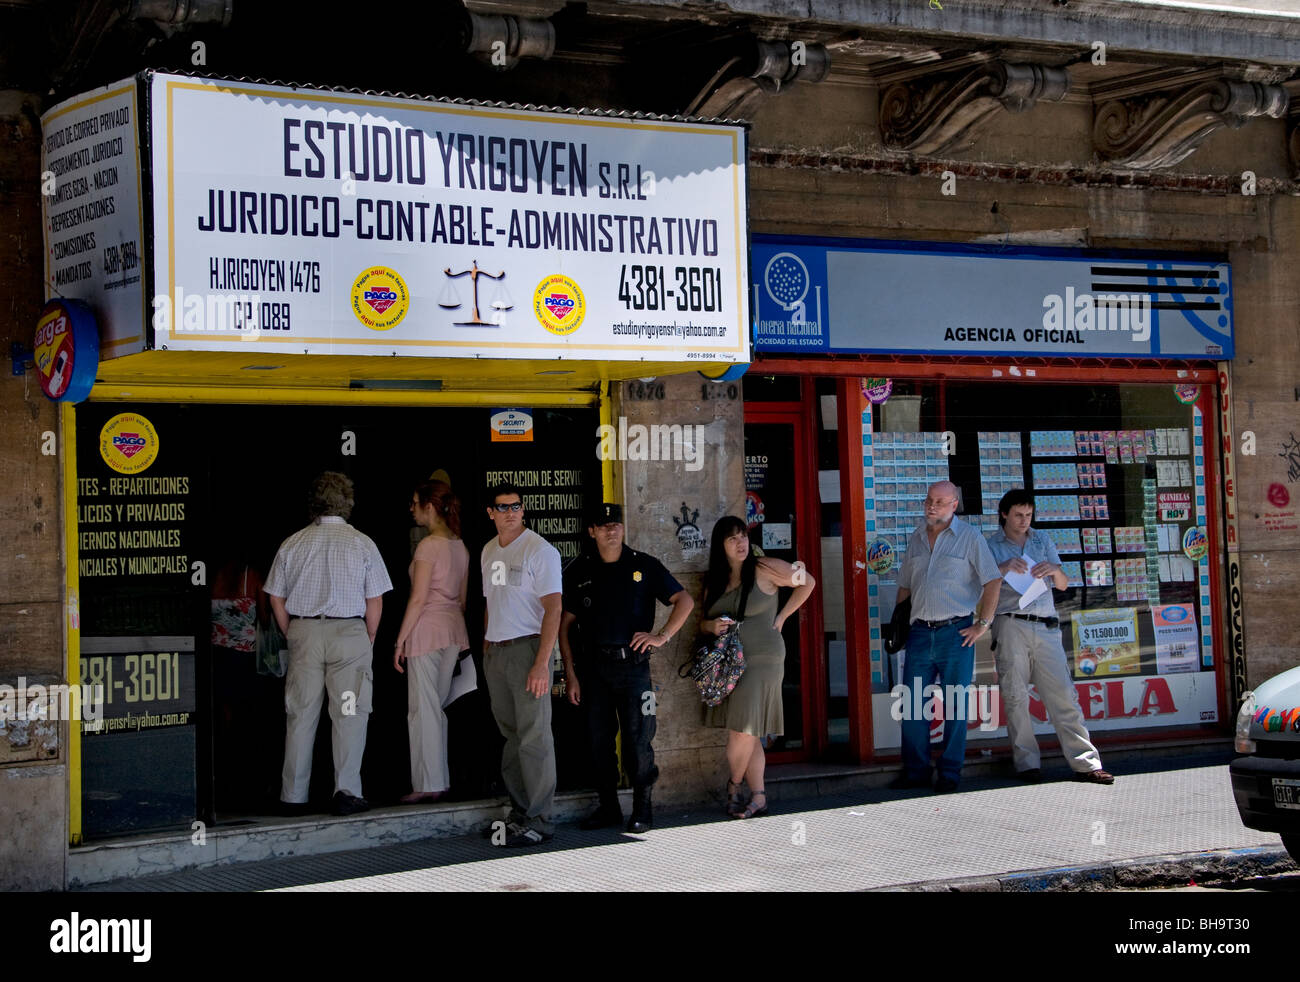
[(522, 585)]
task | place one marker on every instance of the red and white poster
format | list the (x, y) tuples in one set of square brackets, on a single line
[(1174, 506)]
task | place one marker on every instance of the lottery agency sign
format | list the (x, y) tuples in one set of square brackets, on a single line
[(66, 350), (309, 221)]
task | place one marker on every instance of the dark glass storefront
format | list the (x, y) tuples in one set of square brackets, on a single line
[(192, 729)]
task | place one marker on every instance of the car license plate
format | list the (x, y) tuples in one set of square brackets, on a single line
[(1286, 793)]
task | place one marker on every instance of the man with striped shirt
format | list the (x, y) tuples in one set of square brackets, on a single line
[(947, 572), (326, 588)]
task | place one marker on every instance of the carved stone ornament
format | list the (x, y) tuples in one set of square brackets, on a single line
[(1158, 130), (737, 98), (930, 115), (759, 70)]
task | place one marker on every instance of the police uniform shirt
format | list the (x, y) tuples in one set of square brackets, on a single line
[(612, 601)]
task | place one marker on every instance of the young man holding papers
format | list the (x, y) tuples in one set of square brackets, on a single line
[(1027, 636)]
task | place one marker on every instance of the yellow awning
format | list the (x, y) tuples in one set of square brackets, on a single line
[(253, 376)]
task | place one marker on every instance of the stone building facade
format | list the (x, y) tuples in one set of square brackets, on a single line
[(1094, 125)]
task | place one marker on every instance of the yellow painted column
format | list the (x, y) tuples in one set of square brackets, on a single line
[(71, 610), (607, 463)]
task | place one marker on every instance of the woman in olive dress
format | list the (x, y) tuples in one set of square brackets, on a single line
[(740, 593)]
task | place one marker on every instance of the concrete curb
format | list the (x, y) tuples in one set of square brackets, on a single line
[(1175, 869)]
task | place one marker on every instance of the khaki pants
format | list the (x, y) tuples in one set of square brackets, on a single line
[(428, 680), (528, 758), (326, 657), (1029, 651)]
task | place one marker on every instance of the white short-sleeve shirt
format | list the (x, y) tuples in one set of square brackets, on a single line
[(515, 578), (328, 568)]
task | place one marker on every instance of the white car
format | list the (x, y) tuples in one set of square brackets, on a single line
[(1266, 782)]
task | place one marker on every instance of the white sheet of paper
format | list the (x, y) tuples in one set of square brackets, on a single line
[(1030, 588), (466, 680), (828, 486), (1035, 591), (830, 414)]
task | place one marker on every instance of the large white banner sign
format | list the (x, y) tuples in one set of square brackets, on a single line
[(94, 227), (309, 221)]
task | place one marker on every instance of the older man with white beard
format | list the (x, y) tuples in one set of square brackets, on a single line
[(947, 573)]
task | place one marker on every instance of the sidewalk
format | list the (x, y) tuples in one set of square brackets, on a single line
[(864, 840)]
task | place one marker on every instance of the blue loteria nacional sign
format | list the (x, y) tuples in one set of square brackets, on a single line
[(820, 295)]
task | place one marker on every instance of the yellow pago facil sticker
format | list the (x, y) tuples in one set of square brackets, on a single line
[(559, 304), (128, 443), (379, 298)]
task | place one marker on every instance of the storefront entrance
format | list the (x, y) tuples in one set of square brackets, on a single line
[(783, 511), (1123, 467), (192, 725)]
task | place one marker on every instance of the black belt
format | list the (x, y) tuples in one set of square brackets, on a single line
[(522, 637), (618, 652), (1052, 622), (935, 625), (323, 617)]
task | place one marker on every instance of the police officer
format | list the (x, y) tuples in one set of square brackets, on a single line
[(610, 592)]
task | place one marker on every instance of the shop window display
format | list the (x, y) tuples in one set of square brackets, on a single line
[(1119, 478)]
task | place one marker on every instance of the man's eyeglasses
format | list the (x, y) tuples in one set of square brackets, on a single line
[(513, 506)]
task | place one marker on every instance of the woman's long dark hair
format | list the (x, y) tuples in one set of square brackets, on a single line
[(715, 580)]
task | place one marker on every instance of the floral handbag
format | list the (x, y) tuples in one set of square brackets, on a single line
[(717, 665)]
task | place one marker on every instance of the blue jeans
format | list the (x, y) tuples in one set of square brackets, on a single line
[(936, 656)]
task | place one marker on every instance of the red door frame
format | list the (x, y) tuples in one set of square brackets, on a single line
[(1211, 435), (857, 603), (1078, 371), (807, 545)]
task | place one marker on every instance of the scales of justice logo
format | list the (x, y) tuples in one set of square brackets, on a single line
[(787, 282), (499, 304)]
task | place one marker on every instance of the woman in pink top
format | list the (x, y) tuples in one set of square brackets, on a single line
[(432, 634)]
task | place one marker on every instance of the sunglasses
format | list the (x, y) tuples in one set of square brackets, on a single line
[(513, 506)]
